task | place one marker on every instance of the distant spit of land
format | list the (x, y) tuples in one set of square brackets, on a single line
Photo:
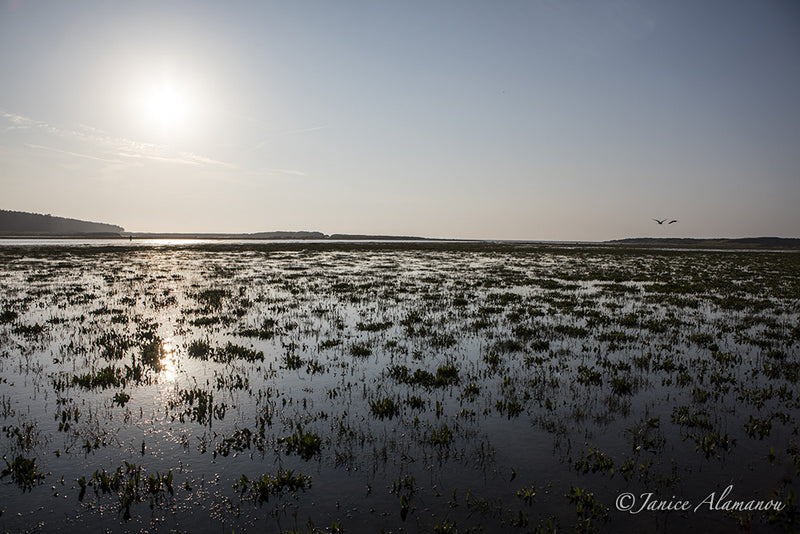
[(684, 242), (19, 224), (273, 235), (23, 224), (26, 225)]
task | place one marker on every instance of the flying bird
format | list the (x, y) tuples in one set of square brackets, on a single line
[(673, 221), (662, 221)]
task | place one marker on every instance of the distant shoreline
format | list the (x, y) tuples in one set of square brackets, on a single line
[(24, 225), (755, 243), (721, 243), (222, 237)]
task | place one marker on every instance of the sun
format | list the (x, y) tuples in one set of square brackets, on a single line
[(168, 103), (166, 106)]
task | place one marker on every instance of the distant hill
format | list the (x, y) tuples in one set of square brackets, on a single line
[(742, 242), (20, 223)]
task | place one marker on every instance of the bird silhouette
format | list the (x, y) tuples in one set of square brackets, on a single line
[(660, 222), (673, 221)]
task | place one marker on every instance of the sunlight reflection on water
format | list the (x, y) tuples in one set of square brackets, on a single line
[(169, 366)]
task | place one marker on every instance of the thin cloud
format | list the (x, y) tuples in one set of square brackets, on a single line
[(122, 151), (182, 158), (71, 153), (114, 147), (203, 160), (20, 122)]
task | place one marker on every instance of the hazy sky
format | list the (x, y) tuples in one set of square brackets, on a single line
[(497, 119)]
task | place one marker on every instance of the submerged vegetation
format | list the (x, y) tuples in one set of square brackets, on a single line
[(432, 387)]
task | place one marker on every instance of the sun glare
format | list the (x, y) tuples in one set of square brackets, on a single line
[(166, 106), (166, 100), (168, 364)]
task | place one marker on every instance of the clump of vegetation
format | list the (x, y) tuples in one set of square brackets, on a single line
[(527, 494), (415, 402), (211, 298), (29, 330), (206, 320), (445, 375), (266, 486), (540, 345), (441, 436), (510, 407), (594, 462), (329, 343), (569, 330), (152, 353), (293, 361), (241, 439), (688, 417), (384, 408), (131, 484), (106, 377), (617, 338), (374, 327), (114, 345), (760, 427), (503, 346), (8, 316), (200, 349), (265, 331), (589, 375), (199, 406), (121, 398), (23, 472), (712, 443), (236, 352), (404, 488), (305, 444), (492, 360), (590, 510), (622, 385), (360, 350)]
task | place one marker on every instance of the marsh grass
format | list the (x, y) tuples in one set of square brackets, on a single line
[(106, 377), (23, 472), (419, 367), (262, 488), (131, 484), (445, 375), (305, 444)]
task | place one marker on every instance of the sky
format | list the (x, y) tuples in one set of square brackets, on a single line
[(538, 119)]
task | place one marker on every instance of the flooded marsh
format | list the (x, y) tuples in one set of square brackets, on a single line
[(397, 387)]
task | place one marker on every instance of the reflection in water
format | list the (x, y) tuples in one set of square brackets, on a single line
[(168, 366), (159, 355)]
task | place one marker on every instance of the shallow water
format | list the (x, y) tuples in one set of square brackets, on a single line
[(578, 373)]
